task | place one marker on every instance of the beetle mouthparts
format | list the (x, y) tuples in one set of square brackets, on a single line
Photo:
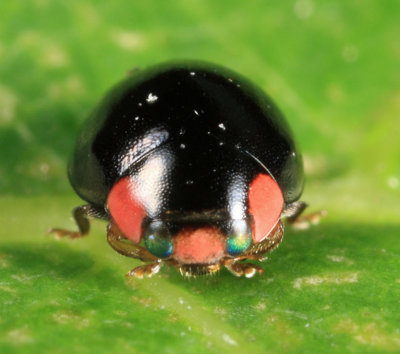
[(192, 270)]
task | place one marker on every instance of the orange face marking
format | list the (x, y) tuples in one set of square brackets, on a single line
[(265, 205), (205, 245)]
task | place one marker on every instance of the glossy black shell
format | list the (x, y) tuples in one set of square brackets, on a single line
[(211, 123)]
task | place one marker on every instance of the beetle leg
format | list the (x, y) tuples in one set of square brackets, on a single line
[(257, 250), (293, 212), (81, 215), (125, 247), (239, 269), (147, 270)]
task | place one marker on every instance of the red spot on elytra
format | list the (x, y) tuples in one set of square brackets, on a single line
[(205, 245), (126, 210), (265, 205)]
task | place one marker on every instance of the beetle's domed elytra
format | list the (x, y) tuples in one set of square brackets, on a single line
[(192, 106)]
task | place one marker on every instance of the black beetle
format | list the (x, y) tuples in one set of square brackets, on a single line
[(192, 165)]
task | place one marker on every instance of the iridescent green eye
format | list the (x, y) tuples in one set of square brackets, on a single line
[(158, 241), (239, 239)]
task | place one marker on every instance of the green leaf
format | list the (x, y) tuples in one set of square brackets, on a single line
[(331, 67)]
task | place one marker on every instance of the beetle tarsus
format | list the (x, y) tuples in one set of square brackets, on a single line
[(81, 216), (304, 222), (147, 270), (240, 269), (60, 233), (293, 213)]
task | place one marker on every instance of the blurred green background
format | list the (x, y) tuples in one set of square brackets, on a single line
[(333, 69)]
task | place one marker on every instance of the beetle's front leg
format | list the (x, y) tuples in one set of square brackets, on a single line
[(147, 270), (239, 269), (293, 214), (125, 247), (81, 215), (255, 252)]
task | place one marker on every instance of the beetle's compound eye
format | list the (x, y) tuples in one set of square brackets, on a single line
[(239, 238), (158, 240)]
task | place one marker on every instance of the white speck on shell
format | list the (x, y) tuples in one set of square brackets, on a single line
[(151, 98)]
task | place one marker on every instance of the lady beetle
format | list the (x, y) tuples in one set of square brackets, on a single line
[(192, 165)]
